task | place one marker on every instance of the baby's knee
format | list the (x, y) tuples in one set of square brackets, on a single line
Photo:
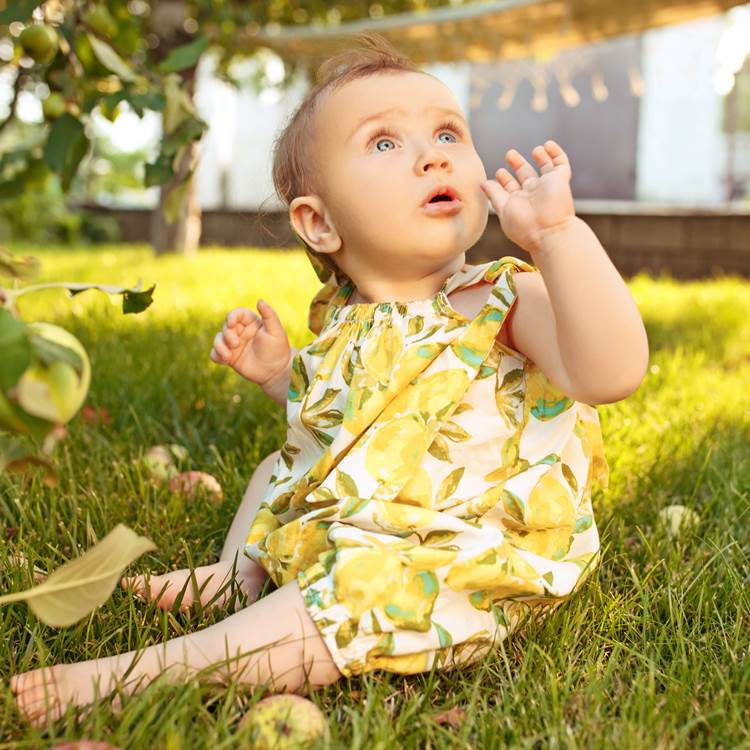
[(267, 464)]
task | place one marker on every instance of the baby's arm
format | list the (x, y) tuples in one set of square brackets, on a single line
[(575, 319), (257, 348)]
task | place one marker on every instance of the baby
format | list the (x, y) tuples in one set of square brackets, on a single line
[(442, 438)]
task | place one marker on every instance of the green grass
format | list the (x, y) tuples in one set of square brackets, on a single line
[(652, 652)]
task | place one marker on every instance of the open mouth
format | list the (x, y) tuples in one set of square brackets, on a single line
[(443, 201)]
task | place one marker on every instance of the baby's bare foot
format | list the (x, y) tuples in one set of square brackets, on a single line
[(43, 695), (214, 585)]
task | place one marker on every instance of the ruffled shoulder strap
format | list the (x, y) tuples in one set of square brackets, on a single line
[(488, 272)]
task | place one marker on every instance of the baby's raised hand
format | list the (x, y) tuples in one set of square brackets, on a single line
[(532, 205), (256, 347)]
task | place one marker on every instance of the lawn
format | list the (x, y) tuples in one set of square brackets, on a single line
[(652, 652)]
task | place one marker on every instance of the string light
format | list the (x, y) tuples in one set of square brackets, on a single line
[(570, 96), (637, 85), (599, 89)]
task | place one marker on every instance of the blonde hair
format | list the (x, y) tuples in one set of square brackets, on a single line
[(295, 170)]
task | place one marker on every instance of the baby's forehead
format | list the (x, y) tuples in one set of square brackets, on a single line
[(391, 91)]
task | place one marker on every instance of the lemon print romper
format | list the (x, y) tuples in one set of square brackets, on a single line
[(433, 486)]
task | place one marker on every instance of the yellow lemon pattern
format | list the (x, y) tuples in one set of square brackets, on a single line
[(434, 486)]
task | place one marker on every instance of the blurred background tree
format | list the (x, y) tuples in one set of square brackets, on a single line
[(79, 56)]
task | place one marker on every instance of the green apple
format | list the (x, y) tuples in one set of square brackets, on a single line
[(39, 42), (57, 392), (160, 460), (53, 106), (285, 722)]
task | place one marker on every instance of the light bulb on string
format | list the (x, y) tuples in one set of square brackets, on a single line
[(570, 96), (599, 89), (636, 82), (505, 100), (539, 80)]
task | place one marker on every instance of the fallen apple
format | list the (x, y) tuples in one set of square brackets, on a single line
[(85, 745), (188, 482), (54, 393), (160, 460), (284, 722), (677, 518)]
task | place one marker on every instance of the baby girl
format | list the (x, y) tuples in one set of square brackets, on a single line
[(442, 441)]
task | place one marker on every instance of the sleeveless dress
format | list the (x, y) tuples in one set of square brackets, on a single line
[(434, 486)]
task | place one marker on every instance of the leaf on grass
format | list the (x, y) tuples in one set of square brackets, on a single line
[(454, 716), (79, 586)]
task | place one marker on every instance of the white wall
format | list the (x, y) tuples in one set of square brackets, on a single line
[(681, 149)]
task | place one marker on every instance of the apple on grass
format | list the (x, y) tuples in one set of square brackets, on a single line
[(285, 722)]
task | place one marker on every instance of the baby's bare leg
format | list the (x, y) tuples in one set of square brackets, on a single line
[(243, 518), (212, 580), (273, 642)]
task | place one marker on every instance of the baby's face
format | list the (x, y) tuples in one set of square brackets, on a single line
[(374, 184)]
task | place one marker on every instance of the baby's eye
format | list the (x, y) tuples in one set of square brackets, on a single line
[(385, 135)]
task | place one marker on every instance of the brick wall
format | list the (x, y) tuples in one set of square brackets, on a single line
[(680, 242)]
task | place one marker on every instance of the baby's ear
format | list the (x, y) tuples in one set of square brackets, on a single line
[(312, 223)]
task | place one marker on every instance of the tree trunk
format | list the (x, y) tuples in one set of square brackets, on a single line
[(183, 235)]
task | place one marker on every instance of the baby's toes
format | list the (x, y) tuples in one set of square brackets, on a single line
[(37, 696), (135, 583)]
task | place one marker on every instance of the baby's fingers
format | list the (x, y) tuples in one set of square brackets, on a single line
[(221, 348), (240, 315)]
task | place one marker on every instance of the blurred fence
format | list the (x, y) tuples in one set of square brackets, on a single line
[(682, 242)]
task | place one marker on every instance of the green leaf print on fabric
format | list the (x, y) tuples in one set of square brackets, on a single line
[(439, 449), (415, 325), (345, 484), (449, 484), (454, 432), (299, 381), (513, 505), (445, 637), (570, 478)]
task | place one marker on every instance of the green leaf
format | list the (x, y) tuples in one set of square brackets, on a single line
[(191, 129), (17, 10), (66, 145), (135, 302), (178, 105), (79, 586), (47, 352), (153, 100), (184, 56), (15, 348), (110, 59), (160, 172)]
